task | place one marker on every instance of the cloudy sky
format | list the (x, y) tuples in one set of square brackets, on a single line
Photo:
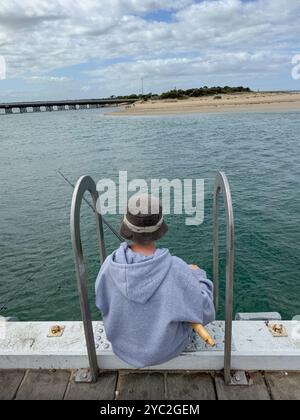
[(95, 48)]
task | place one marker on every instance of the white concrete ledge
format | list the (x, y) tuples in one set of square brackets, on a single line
[(26, 346)]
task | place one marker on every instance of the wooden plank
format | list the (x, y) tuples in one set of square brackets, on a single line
[(44, 385), (283, 386), (104, 389), (257, 390), (141, 386), (190, 386), (10, 381)]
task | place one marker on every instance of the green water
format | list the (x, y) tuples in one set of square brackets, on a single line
[(259, 152)]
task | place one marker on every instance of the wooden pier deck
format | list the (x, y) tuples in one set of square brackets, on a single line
[(132, 385)]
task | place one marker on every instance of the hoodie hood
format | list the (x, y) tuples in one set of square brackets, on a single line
[(138, 276)]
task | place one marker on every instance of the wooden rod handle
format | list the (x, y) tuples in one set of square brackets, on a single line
[(202, 332)]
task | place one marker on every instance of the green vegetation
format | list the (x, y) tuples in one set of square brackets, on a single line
[(204, 91), (189, 93)]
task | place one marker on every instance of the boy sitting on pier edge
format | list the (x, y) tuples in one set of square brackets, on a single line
[(149, 298)]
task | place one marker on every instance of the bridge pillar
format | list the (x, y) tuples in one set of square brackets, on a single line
[(36, 109), (61, 108), (23, 110), (8, 111), (49, 108)]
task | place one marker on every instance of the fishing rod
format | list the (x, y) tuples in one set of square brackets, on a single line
[(109, 226)]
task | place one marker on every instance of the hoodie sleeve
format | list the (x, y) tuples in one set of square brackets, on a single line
[(100, 288), (195, 301)]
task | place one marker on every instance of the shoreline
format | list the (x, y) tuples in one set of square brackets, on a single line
[(246, 102)]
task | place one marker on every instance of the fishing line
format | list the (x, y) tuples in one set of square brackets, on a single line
[(110, 227), (32, 277)]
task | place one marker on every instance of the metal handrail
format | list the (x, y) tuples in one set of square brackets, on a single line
[(222, 185), (85, 184)]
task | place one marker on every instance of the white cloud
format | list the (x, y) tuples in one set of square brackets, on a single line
[(207, 38), (170, 72), (49, 79)]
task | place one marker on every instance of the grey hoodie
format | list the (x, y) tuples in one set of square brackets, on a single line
[(147, 304)]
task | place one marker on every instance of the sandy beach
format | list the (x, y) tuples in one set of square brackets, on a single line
[(244, 102)]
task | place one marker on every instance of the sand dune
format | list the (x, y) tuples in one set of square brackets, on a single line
[(245, 102)]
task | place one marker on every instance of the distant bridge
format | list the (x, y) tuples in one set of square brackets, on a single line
[(43, 106)]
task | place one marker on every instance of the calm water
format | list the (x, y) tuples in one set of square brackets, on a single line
[(259, 152)]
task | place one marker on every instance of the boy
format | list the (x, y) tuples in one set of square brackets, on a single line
[(148, 298)]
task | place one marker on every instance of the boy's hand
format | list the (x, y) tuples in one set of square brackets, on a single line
[(194, 267)]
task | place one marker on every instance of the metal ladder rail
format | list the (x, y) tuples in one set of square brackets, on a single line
[(222, 185), (85, 184)]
